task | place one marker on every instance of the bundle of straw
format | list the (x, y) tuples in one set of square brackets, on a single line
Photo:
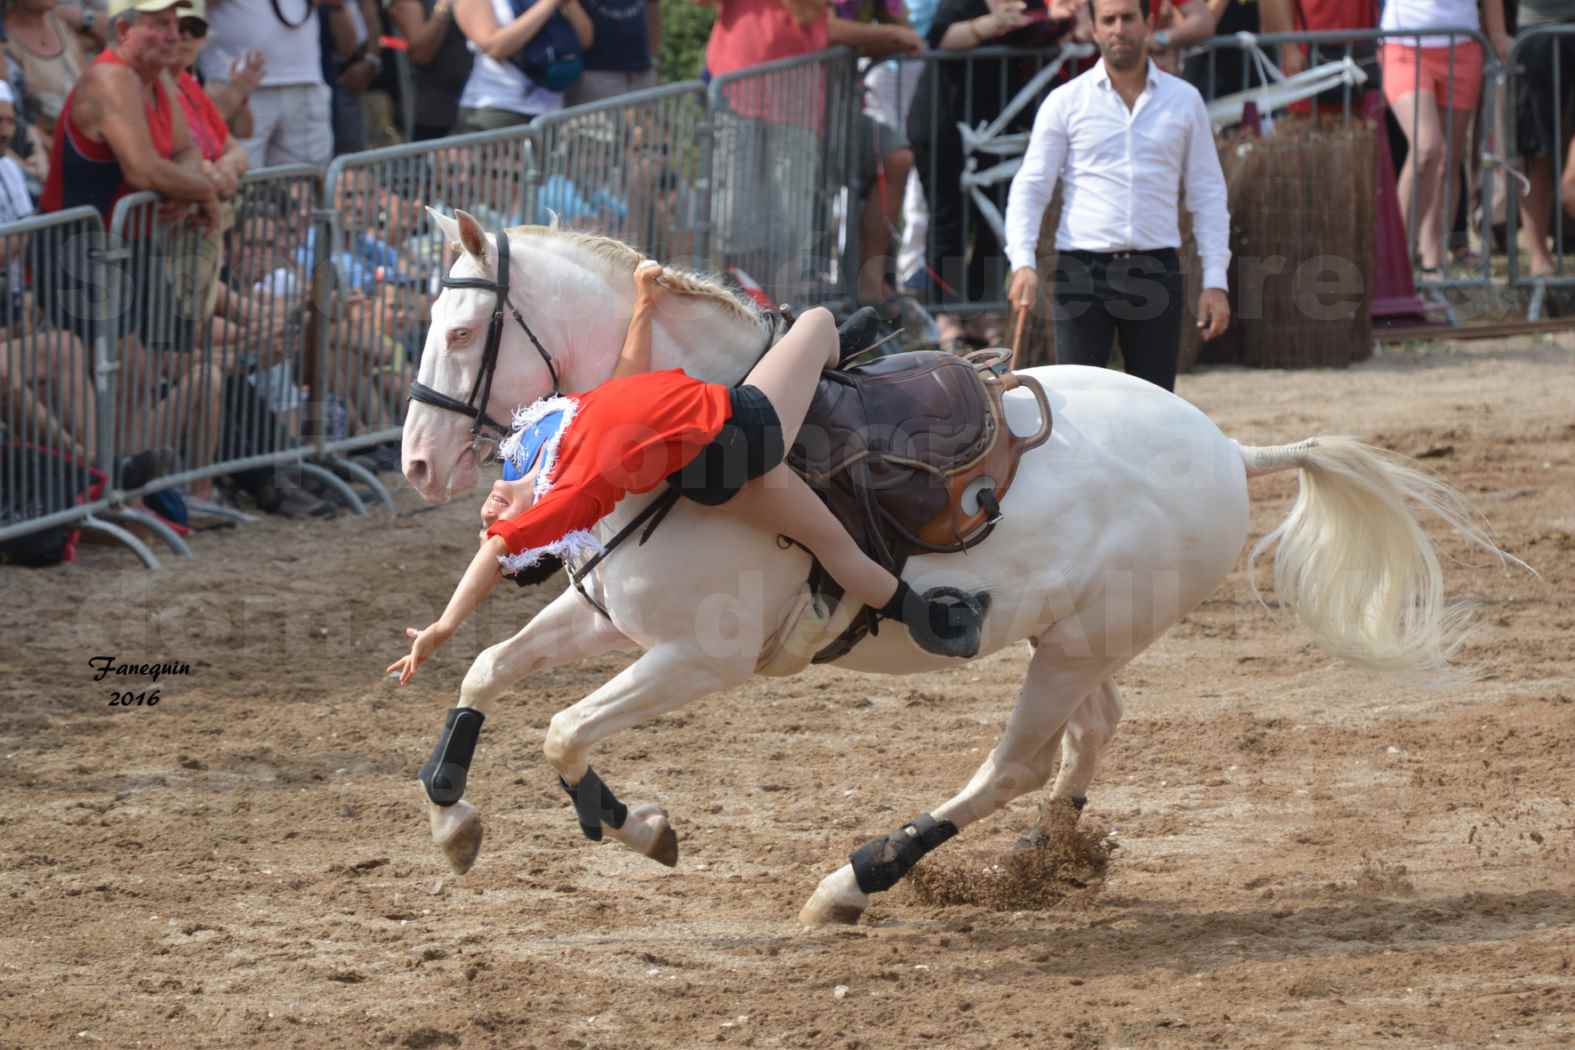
[(1301, 275)]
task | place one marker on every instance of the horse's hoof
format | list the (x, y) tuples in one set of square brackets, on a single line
[(665, 851), (1033, 838), (457, 831), (837, 901)]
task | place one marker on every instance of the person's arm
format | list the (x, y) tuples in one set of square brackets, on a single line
[(873, 41), (1494, 26), (233, 162), (580, 20), (112, 107), (1278, 16), (635, 357), (1206, 196), (231, 96), (653, 30), (500, 42), (961, 35), (479, 580), (1032, 188), (1197, 21), (424, 35)]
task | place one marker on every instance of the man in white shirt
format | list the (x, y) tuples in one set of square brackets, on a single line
[(1122, 139)]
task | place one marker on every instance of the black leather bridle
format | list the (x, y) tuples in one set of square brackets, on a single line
[(484, 425)]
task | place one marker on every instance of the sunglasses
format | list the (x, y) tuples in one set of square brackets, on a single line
[(193, 28)]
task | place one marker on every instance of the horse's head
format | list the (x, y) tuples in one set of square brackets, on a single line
[(471, 366)]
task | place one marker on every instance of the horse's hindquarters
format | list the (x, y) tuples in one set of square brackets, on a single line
[(1135, 508)]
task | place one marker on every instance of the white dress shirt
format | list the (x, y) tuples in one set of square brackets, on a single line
[(1122, 171)]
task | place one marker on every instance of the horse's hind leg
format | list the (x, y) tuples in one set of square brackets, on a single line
[(567, 629), (1082, 742), (1021, 761)]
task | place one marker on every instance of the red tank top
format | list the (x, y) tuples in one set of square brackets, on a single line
[(82, 171)]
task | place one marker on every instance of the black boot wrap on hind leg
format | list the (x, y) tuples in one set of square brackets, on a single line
[(445, 772)]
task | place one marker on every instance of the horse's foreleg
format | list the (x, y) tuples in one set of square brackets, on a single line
[(1088, 733), (1021, 762), (565, 630), (663, 679)]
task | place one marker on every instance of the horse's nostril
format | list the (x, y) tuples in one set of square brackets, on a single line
[(416, 472)]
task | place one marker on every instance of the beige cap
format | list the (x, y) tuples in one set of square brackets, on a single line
[(195, 9), (120, 7)]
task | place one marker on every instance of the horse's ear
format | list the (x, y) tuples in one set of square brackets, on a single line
[(471, 237), (553, 219), (445, 225)]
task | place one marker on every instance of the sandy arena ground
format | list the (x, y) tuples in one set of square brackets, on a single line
[(1308, 856)]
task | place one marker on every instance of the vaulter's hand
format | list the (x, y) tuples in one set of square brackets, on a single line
[(423, 645), (647, 279), (1213, 313)]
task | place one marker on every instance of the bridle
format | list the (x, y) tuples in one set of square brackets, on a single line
[(484, 425)]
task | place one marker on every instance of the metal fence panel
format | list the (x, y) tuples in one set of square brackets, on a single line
[(53, 393), (780, 143), (630, 167), (384, 258), (210, 319)]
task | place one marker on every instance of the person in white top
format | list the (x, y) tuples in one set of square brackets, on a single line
[(1433, 83), (1122, 139), (498, 94)]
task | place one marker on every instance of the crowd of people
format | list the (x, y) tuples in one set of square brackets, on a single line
[(101, 98)]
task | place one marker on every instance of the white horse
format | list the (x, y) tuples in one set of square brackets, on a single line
[(1126, 519)]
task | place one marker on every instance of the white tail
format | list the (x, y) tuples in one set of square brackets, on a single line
[(1355, 563)]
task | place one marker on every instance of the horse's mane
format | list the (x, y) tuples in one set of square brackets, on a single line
[(618, 254)]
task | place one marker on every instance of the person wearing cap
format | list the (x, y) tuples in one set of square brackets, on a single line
[(120, 130)]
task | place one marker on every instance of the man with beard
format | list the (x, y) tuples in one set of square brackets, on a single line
[(1121, 139)]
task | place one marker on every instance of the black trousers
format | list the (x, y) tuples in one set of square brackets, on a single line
[(1133, 295), (974, 271)]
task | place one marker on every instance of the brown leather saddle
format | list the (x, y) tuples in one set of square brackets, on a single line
[(912, 453)]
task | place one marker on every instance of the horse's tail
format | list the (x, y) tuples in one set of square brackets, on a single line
[(1354, 561)]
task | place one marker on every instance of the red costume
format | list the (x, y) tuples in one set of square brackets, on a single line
[(627, 435)]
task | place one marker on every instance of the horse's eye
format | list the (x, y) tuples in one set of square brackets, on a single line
[(458, 335)]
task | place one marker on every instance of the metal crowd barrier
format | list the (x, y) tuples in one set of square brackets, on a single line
[(1364, 49), (379, 264), (1538, 64), (56, 380), (631, 167), (780, 135), (963, 269)]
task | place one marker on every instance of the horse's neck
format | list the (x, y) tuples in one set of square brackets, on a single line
[(590, 311)]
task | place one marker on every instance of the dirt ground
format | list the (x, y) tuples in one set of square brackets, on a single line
[(1307, 856)]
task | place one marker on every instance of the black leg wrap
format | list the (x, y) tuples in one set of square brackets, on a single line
[(1079, 803), (881, 863), (445, 772), (595, 805)]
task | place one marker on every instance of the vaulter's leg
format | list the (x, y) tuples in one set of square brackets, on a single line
[(1022, 761), (565, 630), (663, 679)]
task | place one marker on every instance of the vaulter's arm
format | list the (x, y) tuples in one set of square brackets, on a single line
[(635, 358)]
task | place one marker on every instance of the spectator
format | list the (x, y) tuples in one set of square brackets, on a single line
[(882, 158), (27, 144), (119, 132), (440, 63), (1224, 70), (49, 54), (498, 93), (1544, 105), (1315, 16), (290, 108), (966, 272), (760, 201), (44, 376), (1175, 26), (350, 40), (1117, 270), (627, 36), (1433, 85)]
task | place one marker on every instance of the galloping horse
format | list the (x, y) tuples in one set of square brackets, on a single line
[(1124, 521)]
